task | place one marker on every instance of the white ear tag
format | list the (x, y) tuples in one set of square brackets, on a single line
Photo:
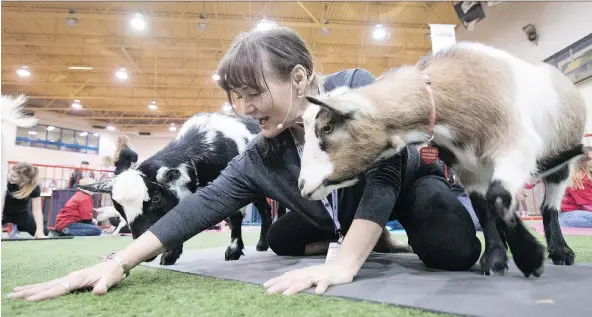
[(333, 249)]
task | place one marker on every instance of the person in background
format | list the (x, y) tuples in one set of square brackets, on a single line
[(23, 189), (124, 156), (576, 207), (81, 173), (76, 218)]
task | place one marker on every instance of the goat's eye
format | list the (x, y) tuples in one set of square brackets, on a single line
[(155, 198), (327, 129)]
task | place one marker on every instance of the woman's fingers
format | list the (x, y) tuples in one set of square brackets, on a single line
[(322, 286), (55, 291), (299, 285)]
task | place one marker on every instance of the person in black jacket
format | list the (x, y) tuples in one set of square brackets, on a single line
[(269, 73), (124, 156)]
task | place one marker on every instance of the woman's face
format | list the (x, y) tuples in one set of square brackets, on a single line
[(14, 177), (272, 107), (269, 107)]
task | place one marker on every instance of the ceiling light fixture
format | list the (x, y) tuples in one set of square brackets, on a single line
[(76, 105), (138, 22), (265, 25), (80, 68), (172, 127), (33, 132), (121, 74), (50, 128), (110, 128), (152, 105), (95, 134), (23, 71), (216, 77), (83, 133), (379, 33)]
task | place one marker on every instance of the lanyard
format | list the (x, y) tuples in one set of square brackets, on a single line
[(331, 210)]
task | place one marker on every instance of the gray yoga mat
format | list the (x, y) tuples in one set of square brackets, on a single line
[(402, 280)]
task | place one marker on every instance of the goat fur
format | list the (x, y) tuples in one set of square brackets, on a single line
[(500, 121), (12, 117)]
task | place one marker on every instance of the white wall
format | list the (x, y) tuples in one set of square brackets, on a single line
[(145, 146), (559, 24)]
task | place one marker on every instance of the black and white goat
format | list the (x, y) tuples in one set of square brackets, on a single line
[(12, 117), (203, 147), (497, 120)]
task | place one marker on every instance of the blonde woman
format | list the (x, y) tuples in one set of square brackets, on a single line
[(23, 188), (124, 156), (576, 207)]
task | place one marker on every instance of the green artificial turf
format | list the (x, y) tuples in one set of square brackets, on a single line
[(156, 292)]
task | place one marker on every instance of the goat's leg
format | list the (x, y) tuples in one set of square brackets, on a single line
[(171, 256), (555, 185), (494, 260), (236, 246), (264, 210), (508, 178)]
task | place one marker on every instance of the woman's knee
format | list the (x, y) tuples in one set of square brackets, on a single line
[(449, 252), (282, 244)]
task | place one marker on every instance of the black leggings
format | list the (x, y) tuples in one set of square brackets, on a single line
[(24, 221), (438, 226)]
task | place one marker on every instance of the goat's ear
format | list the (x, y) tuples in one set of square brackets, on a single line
[(172, 175), (99, 187), (327, 105)]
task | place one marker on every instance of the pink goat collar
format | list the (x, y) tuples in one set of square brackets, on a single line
[(428, 86)]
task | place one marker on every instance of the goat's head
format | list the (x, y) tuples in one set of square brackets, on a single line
[(342, 138), (138, 199)]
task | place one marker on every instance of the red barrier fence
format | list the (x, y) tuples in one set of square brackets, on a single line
[(57, 185)]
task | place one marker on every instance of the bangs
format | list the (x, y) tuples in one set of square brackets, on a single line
[(242, 66)]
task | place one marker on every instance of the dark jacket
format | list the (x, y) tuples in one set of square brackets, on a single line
[(126, 158), (249, 176)]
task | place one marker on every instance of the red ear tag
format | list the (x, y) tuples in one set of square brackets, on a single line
[(428, 154)]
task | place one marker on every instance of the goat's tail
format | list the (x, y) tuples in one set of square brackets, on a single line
[(12, 111)]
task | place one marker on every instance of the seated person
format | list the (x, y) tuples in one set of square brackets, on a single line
[(23, 192), (76, 218), (576, 207)]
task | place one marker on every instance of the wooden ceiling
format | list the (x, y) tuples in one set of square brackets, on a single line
[(172, 61)]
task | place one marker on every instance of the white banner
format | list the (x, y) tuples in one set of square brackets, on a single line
[(442, 35)]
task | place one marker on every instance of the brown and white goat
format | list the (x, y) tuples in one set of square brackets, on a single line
[(499, 122), (12, 117)]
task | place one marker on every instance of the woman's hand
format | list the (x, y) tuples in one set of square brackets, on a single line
[(322, 276), (100, 277), (39, 234)]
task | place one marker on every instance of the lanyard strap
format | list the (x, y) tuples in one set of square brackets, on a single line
[(332, 210)]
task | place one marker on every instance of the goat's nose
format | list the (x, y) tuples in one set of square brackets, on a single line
[(300, 185)]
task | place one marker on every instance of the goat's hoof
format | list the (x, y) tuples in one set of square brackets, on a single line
[(494, 261), (169, 257), (233, 252), (562, 255), (528, 253), (262, 245)]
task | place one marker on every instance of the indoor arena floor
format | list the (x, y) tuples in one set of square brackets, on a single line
[(154, 292)]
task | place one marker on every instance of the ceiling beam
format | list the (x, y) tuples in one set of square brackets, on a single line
[(117, 97), (417, 28)]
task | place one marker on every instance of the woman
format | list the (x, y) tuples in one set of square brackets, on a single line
[(124, 156), (576, 207), (23, 189), (270, 72)]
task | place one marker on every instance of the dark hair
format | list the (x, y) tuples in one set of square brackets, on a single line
[(279, 50)]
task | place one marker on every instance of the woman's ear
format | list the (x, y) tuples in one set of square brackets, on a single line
[(300, 77)]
